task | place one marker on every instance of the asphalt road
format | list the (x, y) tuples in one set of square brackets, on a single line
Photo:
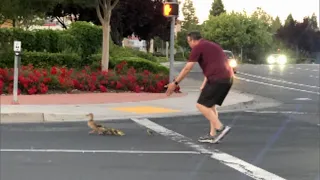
[(281, 140), (143, 162), (296, 86)]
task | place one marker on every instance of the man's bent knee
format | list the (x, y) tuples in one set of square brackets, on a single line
[(201, 106)]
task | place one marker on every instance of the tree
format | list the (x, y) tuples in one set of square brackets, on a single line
[(104, 9), (14, 9), (21, 12), (103, 12), (263, 16), (313, 22), (144, 19), (289, 21), (235, 31), (217, 8), (189, 23), (190, 19), (300, 37), (149, 21), (276, 24)]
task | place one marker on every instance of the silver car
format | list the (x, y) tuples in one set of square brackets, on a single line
[(231, 60)]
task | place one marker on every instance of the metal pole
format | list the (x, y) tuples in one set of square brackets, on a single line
[(15, 78), (172, 48), (17, 50)]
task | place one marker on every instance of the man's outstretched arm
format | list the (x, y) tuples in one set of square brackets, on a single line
[(187, 68)]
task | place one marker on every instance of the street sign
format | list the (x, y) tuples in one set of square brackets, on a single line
[(17, 46)]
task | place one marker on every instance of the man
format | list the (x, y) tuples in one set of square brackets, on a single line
[(216, 85)]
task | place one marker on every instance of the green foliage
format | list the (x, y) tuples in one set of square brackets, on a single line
[(189, 14), (37, 40), (140, 64), (117, 52), (76, 47), (87, 36), (234, 31), (289, 21), (229, 30), (82, 38), (217, 8), (276, 24), (23, 12), (42, 59)]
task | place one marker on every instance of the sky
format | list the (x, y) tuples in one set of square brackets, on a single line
[(281, 8)]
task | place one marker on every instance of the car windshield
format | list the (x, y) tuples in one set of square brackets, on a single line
[(229, 54)]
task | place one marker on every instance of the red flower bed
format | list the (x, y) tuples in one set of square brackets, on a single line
[(122, 78)]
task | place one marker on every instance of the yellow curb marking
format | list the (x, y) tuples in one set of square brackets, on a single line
[(145, 109)]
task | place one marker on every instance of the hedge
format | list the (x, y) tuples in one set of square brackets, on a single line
[(139, 64), (72, 60), (76, 47), (82, 38)]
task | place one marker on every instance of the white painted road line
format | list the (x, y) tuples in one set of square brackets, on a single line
[(273, 85), (224, 158), (302, 99), (277, 80), (314, 76), (277, 112), (98, 151)]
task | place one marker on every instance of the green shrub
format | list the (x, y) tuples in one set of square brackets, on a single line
[(117, 51), (37, 40), (162, 59), (44, 41), (82, 37), (139, 64), (145, 55), (87, 37), (180, 56), (95, 61), (42, 59)]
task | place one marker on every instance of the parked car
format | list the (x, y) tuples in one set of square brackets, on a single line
[(231, 60)]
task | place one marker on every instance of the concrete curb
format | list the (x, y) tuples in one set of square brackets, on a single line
[(11, 118)]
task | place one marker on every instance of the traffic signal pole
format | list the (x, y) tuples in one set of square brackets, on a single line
[(171, 75), (171, 10)]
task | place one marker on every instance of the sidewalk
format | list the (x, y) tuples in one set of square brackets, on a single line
[(74, 107)]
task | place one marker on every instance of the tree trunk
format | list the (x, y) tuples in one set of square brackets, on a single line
[(148, 45), (106, 42), (104, 17), (105, 49)]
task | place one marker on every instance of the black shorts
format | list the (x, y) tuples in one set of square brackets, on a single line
[(215, 92)]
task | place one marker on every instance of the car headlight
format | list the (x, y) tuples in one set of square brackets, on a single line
[(282, 59), (271, 60), (233, 63)]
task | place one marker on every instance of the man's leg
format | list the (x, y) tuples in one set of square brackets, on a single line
[(211, 116), (212, 95), (218, 124)]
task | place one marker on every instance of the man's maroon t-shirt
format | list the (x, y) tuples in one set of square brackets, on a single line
[(212, 60)]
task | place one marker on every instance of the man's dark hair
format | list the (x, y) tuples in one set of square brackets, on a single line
[(194, 35)]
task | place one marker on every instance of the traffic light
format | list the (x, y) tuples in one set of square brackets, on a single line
[(170, 9)]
